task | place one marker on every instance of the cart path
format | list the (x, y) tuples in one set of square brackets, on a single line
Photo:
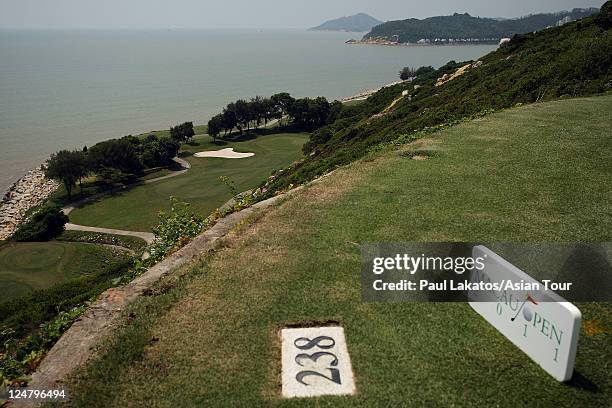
[(147, 236)]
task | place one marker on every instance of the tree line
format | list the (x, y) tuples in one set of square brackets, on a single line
[(304, 113), (408, 73), (113, 159)]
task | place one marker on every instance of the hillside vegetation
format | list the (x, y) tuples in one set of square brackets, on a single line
[(535, 173), (464, 26), (568, 61)]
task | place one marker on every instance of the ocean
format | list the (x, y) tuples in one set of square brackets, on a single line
[(68, 89)]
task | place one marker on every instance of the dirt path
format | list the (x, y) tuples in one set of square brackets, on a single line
[(388, 108)]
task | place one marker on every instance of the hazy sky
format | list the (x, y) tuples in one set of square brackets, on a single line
[(249, 13)]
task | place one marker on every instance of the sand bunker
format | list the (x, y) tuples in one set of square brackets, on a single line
[(228, 153)]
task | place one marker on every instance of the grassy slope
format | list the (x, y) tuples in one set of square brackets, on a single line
[(39, 265), (137, 208), (536, 173)]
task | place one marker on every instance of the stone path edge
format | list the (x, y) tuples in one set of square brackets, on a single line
[(78, 343)]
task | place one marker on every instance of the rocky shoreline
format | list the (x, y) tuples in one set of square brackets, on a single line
[(28, 192)]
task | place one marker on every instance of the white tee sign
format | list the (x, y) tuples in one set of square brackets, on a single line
[(541, 323), (315, 362)]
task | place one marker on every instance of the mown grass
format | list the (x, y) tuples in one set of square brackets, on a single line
[(209, 335), (29, 266), (137, 208), (93, 186)]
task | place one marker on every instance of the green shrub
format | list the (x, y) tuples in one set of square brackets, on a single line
[(46, 224), (19, 357), (424, 70), (30, 325), (176, 228), (117, 154)]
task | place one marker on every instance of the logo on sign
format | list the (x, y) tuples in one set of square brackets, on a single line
[(542, 324)]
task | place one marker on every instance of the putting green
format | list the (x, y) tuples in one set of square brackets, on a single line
[(30, 266), (136, 209)]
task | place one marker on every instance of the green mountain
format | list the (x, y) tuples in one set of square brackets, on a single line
[(358, 23), (464, 27), (572, 60)]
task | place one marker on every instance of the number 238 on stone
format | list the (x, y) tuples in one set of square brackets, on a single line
[(315, 362)]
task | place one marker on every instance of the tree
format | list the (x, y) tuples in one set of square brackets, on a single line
[(44, 225), (257, 110), (157, 151), (117, 154), (282, 103), (407, 73), (310, 113), (229, 118), (215, 124), (297, 112), (334, 111), (68, 166), (269, 110), (182, 133), (243, 114), (169, 149), (319, 112), (424, 70)]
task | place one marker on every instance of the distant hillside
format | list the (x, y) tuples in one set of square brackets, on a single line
[(463, 27), (572, 60), (358, 23)]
